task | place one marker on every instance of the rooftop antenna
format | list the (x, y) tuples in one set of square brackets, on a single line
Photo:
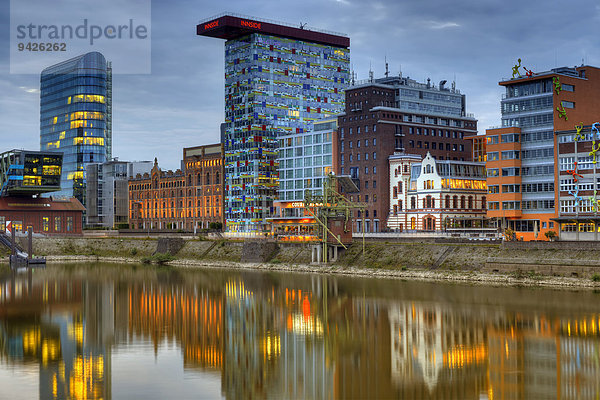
[(302, 25), (351, 74), (370, 72), (387, 72), (400, 72)]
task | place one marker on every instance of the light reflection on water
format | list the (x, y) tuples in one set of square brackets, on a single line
[(94, 331)]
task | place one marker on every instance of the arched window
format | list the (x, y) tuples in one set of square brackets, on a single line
[(190, 180), (455, 202), (427, 202), (447, 201), (462, 201), (413, 203), (470, 202), (207, 178), (199, 179), (483, 203), (413, 223), (217, 179)]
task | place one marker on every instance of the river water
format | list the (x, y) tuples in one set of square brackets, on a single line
[(125, 332)]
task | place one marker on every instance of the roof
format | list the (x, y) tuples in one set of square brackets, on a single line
[(39, 204), (230, 27)]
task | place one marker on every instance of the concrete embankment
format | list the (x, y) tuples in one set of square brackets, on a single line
[(469, 261)]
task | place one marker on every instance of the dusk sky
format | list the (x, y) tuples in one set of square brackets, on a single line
[(180, 103)]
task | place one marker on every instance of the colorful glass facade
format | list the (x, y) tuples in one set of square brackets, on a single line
[(275, 85), (76, 117)]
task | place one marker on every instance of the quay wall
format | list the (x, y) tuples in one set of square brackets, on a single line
[(570, 259)]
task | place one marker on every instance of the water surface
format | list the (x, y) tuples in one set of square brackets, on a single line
[(125, 332)]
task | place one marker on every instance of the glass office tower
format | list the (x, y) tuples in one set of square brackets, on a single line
[(76, 117), (278, 81)]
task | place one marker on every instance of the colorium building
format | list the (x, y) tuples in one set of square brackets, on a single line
[(279, 79), (76, 117)]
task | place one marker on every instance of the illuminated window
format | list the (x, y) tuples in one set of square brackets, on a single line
[(57, 224), (45, 224)]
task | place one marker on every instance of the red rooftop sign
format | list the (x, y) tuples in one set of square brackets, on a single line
[(250, 24), (212, 24), (229, 27)]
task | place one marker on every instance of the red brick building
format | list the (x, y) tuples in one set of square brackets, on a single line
[(186, 200), (396, 114), (45, 215)]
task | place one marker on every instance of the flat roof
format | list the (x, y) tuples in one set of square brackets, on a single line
[(232, 27)]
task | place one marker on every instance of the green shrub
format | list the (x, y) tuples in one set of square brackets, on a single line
[(596, 277), (133, 251)]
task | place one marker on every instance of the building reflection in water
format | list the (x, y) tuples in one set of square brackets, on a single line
[(294, 338)]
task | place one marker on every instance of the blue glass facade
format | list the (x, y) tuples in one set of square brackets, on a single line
[(76, 117), (275, 87)]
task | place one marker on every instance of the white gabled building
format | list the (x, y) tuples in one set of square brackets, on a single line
[(436, 195)]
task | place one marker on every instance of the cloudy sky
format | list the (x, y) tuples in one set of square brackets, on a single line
[(180, 103)]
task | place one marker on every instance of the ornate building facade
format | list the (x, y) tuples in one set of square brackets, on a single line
[(183, 200)]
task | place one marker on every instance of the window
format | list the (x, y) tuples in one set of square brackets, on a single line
[(492, 155), (494, 189), (492, 139), (492, 172), (374, 141), (511, 188), (568, 88), (510, 171), (57, 224), (69, 224), (509, 138), (511, 205), (585, 162), (45, 224), (510, 155)]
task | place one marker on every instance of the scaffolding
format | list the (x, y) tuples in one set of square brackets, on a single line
[(332, 205)]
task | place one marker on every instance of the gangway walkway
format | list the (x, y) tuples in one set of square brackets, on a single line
[(18, 257)]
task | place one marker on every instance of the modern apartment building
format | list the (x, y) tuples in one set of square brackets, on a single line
[(397, 114), (305, 160), (76, 117), (107, 191), (528, 177), (279, 80)]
